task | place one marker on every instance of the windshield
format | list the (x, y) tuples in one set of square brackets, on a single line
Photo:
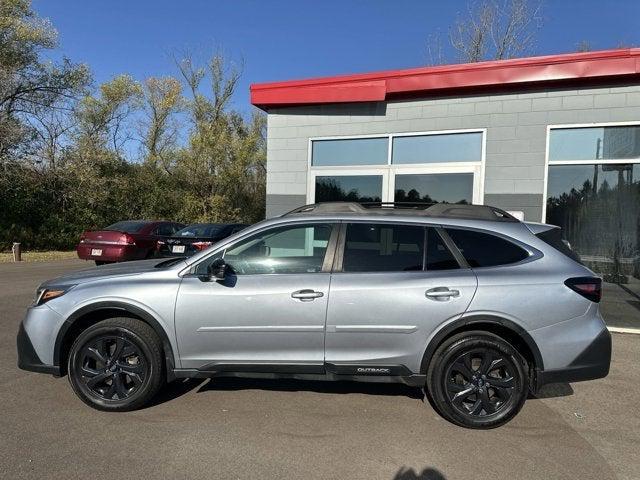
[(127, 226), (201, 230)]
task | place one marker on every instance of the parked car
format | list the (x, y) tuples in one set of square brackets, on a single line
[(468, 302), (195, 238), (126, 240)]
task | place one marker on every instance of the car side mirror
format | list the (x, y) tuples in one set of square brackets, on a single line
[(217, 270)]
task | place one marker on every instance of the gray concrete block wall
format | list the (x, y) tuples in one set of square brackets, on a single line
[(516, 126)]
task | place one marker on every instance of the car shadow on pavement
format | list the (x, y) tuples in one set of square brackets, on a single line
[(426, 474), (293, 385)]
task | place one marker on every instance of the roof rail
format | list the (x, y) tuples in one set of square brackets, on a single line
[(446, 210)]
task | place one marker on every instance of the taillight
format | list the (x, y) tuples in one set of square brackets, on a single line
[(159, 244), (125, 238), (83, 237), (201, 245), (589, 287)]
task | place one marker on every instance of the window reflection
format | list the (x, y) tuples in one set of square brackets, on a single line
[(435, 188), (349, 188), (598, 208), (594, 143), (450, 147)]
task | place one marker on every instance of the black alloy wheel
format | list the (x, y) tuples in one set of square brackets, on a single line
[(112, 367), (477, 380), (480, 382), (116, 364)]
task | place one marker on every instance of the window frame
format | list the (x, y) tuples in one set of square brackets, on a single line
[(550, 163), (338, 260), (390, 170)]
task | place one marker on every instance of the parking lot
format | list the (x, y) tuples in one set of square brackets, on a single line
[(237, 429)]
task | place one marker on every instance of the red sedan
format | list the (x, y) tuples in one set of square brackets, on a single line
[(127, 240)]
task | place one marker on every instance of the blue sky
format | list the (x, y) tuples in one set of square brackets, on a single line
[(287, 39)]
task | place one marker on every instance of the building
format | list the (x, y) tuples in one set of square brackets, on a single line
[(553, 139)]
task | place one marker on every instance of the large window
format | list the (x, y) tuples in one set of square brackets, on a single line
[(429, 167), (291, 249), (439, 148), (434, 188), (593, 193), (594, 143), (348, 188), (356, 151)]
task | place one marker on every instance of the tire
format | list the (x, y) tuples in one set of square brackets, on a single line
[(116, 365), (459, 372)]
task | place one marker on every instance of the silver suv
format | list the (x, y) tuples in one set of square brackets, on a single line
[(466, 301)]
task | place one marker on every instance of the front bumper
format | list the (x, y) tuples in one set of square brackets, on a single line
[(28, 358), (592, 363)]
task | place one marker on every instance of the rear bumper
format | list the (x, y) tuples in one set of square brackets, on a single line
[(592, 363), (28, 358), (110, 253)]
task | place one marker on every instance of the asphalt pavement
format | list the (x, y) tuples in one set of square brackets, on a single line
[(260, 429)]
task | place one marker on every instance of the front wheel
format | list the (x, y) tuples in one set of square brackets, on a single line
[(477, 380), (116, 365)]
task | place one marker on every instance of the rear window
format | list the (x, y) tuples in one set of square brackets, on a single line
[(127, 226), (383, 248), (486, 250), (201, 230), (553, 238)]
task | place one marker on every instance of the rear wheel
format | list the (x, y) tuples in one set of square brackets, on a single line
[(477, 380), (116, 365)]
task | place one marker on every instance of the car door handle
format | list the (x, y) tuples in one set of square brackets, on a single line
[(306, 295), (441, 293)]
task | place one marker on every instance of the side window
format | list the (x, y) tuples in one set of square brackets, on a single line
[(485, 250), (383, 248), (165, 230), (291, 249), (438, 255)]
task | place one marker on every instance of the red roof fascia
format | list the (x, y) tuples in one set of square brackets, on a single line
[(379, 86)]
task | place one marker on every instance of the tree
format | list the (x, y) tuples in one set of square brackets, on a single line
[(29, 86), (162, 101), (492, 30)]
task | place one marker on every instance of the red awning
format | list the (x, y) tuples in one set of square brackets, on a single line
[(379, 86)]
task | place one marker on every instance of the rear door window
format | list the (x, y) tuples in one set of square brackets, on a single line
[(486, 250), (383, 248)]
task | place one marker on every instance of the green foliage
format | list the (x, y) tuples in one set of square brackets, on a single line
[(67, 156)]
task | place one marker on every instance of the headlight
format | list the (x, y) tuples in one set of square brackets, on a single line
[(43, 295)]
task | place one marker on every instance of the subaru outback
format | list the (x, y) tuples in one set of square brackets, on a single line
[(473, 305)]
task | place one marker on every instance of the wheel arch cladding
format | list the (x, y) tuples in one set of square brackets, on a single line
[(506, 329), (92, 314)]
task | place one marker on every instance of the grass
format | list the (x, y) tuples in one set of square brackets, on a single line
[(47, 256)]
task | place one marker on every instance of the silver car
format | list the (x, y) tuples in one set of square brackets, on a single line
[(466, 301)]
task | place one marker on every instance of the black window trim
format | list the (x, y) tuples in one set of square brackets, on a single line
[(339, 252), (533, 253)]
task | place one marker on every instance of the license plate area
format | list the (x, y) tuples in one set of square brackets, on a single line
[(177, 249), (96, 252)]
